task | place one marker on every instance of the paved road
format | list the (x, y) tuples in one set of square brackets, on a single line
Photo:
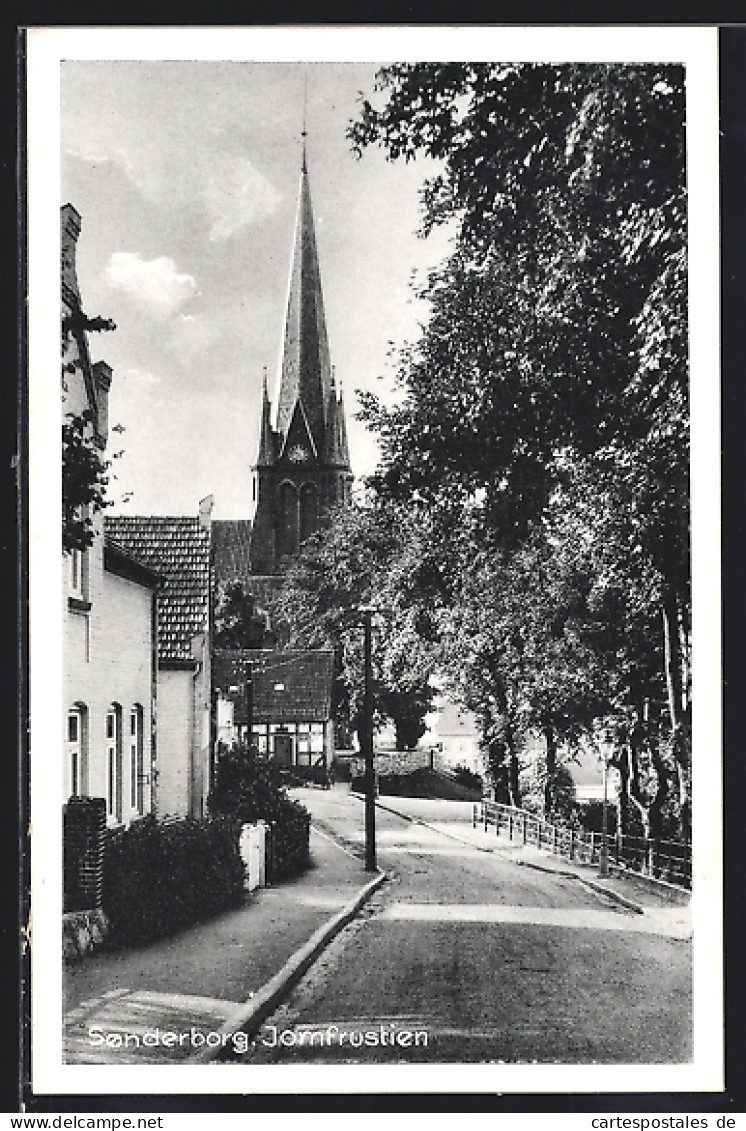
[(464, 956)]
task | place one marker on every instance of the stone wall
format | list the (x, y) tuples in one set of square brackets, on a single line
[(395, 762), (82, 931)]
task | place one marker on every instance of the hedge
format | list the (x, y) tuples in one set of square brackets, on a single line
[(250, 788), (159, 877)]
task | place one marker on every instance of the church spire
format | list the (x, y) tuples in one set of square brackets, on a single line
[(304, 131), (306, 366)]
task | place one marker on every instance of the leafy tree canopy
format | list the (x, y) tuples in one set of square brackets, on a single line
[(542, 429)]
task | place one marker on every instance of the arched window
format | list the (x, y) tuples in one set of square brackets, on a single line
[(309, 511), (288, 518), (136, 768), (114, 762), (77, 750)]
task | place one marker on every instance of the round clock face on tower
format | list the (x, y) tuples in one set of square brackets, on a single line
[(298, 454)]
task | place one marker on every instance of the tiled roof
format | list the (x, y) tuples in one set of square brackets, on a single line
[(306, 679), (178, 548), (231, 548)]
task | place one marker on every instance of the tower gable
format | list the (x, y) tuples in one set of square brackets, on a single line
[(298, 446)]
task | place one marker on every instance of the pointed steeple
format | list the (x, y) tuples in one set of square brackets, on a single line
[(337, 451), (306, 367), (303, 464), (267, 455)]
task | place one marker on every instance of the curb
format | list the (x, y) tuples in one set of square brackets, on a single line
[(253, 1011), (599, 888), (425, 824)]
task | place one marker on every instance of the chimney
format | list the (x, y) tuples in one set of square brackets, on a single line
[(70, 230), (205, 511), (102, 383)]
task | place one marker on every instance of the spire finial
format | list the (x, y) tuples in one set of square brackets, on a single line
[(304, 131)]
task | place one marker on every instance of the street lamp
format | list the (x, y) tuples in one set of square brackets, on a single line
[(367, 735), (607, 746)]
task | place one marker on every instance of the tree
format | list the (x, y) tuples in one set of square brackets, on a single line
[(237, 623), (358, 559), (85, 468), (556, 338)]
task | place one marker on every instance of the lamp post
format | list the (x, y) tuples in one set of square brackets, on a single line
[(603, 859), (367, 736)]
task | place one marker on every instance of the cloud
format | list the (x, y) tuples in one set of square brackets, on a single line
[(237, 195), (191, 336), (154, 284), (231, 191), (139, 378)]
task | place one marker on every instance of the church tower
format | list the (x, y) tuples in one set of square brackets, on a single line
[(302, 466)]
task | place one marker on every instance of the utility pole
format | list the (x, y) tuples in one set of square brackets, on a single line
[(367, 734), (249, 704), (603, 860)]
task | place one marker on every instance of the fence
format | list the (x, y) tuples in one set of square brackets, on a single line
[(663, 859)]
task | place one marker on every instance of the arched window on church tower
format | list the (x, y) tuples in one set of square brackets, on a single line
[(309, 511), (288, 518)]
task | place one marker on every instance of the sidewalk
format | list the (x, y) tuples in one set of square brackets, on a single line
[(211, 977), (635, 892)]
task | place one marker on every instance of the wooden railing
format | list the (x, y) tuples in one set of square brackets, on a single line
[(663, 859)]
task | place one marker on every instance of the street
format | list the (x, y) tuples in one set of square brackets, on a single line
[(465, 956)]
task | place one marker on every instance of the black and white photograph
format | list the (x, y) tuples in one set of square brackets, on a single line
[(375, 735)]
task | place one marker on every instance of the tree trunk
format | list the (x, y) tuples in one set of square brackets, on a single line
[(672, 658), (514, 783), (676, 662), (551, 772)]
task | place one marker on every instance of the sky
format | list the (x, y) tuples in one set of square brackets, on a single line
[(186, 176)]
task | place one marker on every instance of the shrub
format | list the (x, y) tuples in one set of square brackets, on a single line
[(468, 777), (250, 788), (159, 877), (341, 769), (306, 775), (590, 814)]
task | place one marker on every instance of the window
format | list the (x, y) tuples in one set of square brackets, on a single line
[(77, 564), (310, 742), (308, 511), (137, 777), (259, 737), (114, 763), (288, 519), (76, 734)]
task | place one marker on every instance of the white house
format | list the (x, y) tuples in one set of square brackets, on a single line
[(109, 613), (177, 548)]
